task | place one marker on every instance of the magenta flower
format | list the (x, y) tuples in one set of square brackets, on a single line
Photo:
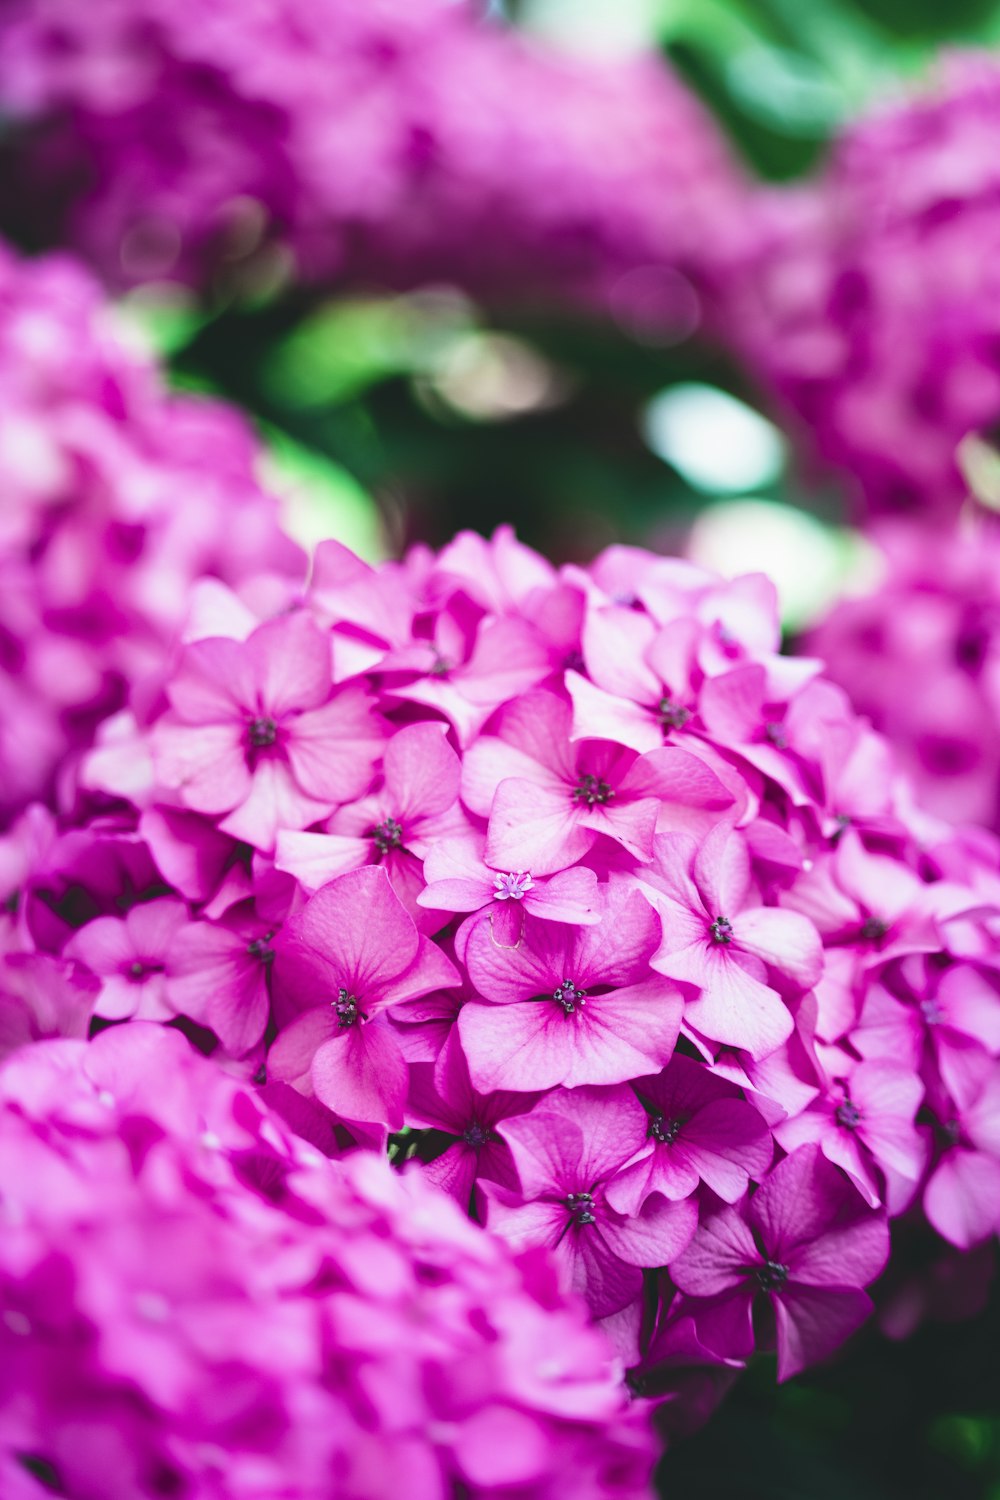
[(43, 997), (255, 735), (865, 1121), (567, 1152), (443, 1098), (134, 957), (395, 826), (698, 1129), (808, 1242), (219, 976), (548, 800), (963, 1191), (341, 963), (730, 950), (459, 880), (569, 1005), (230, 1311)]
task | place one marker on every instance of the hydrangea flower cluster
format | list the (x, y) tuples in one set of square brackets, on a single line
[(399, 140), (604, 915), (869, 307), (196, 1302), (116, 497), (934, 620)]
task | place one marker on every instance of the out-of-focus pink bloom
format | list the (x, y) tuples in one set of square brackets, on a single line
[(963, 1192), (134, 957), (807, 1240), (43, 997), (222, 1309), (117, 496), (867, 303), (934, 619), (337, 140)]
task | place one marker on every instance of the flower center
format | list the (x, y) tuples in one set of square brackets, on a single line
[(477, 1135), (581, 1208), (848, 1114), (722, 930), (260, 948), (592, 790), (513, 886), (346, 1009), (568, 996), (932, 1011), (387, 835), (665, 1132), (262, 733), (772, 1275), (775, 735), (672, 715), (873, 929)]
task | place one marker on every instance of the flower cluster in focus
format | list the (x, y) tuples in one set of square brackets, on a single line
[(195, 1302), (566, 885)]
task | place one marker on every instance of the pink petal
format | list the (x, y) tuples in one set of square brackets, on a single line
[(362, 1076), (813, 1322)]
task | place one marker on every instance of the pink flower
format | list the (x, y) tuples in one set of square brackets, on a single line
[(726, 947), (698, 1129), (134, 957), (808, 1242), (549, 801), (395, 826), (443, 1098), (569, 1005), (459, 880), (865, 1121), (256, 735), (341, 963), (230, 1311), (567, 1151), (963, 1190)]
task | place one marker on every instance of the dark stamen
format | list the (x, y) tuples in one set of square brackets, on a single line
[(387, 835), (581, 1207), (848, 1114), (591, 790), (775, 734), (772, 1275), (346, 1007), (664, 1131), (262, 733), (722, 930), (260, 948), (568, 996), (477, 1135), (672, 715), (873, 929)]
